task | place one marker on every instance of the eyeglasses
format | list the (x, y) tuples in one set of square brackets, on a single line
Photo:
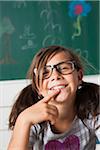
[(64, 68)]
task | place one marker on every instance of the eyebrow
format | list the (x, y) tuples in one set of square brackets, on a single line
[(59, 63)]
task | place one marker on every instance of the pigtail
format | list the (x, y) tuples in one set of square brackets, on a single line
[(87, 100), (26, 98)]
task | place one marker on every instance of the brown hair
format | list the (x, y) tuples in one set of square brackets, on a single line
[(87, 98), (40, 60), (26, 98)]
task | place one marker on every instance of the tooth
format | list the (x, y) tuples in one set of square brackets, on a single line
[(58, 87)]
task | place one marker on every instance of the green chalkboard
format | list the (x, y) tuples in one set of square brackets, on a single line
[(26, 26)]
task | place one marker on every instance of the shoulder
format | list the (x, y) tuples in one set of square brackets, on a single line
[(36, 132), (93, 122)]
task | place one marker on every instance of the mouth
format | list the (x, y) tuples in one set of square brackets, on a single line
[(58, 87)]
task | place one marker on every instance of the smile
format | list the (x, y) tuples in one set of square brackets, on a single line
[(58, 87)]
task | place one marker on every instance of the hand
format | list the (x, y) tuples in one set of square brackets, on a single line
[(41, 111)]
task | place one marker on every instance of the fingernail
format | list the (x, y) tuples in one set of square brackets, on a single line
[(58, 90)]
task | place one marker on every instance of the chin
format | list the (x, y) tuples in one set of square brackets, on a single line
[(61, 98)]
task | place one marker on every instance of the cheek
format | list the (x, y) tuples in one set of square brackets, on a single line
[(74, 82), (44, 88)]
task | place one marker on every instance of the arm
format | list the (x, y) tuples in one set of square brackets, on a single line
[(20, 137), (39, 112), (97, 127)]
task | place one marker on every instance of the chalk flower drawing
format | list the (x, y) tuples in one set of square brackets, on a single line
[(77, 9)]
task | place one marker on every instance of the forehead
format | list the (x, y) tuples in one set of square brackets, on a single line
[(59, 57)]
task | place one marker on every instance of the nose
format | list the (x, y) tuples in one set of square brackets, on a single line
[(55, 75)]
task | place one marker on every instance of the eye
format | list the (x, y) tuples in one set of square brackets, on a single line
[(46, 72), (65, 66)]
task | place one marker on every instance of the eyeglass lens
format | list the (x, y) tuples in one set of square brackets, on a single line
[(63, 68)]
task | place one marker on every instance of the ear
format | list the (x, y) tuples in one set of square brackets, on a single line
[(80, 76)]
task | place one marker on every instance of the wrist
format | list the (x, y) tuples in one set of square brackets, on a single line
[(23, 120), (21, 134)]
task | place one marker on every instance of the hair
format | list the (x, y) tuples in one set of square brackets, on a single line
[(87, 98), (27, 97), (41, 58)]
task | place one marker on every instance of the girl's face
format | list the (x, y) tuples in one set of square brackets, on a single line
[(66, 83)]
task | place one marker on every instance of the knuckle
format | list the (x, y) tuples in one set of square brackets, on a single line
[(46, 115), (44, 105)]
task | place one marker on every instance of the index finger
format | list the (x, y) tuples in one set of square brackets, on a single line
[(50, 95)]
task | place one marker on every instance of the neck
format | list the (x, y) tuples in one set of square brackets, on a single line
[(64, 121)]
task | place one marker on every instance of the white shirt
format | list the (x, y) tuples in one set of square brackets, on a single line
[(80, 137)]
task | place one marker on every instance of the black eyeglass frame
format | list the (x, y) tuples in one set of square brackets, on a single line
[(73, 64)]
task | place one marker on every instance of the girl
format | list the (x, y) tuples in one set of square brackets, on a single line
[(58, 111)]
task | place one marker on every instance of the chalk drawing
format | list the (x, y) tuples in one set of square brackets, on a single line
[(51, 27), (51, 40), (6, 31), (6, 26), (28, 37), (19, 4), (83, 53), (49, 13)]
